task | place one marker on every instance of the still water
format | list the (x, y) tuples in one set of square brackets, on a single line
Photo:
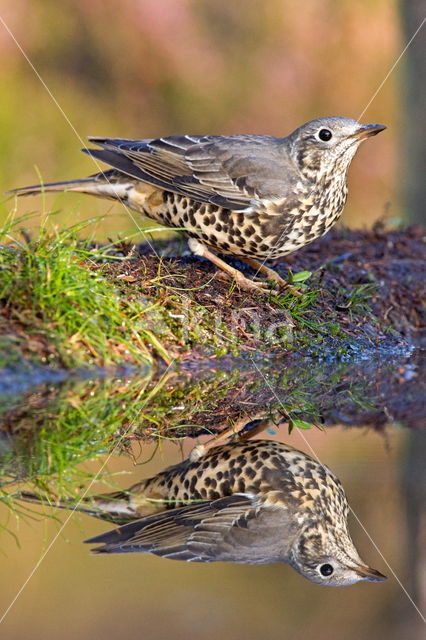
[(58, 437)]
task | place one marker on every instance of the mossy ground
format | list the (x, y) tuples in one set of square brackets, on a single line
[(70, 303)]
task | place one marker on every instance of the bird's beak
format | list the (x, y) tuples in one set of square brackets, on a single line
[(367, 130), (367, 573)]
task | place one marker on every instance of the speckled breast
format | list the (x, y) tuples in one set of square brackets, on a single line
[(269, 232), (274, 472)]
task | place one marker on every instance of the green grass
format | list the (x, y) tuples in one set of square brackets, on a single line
[(48, 289), (60, 303), (69, 302), (357, 299)]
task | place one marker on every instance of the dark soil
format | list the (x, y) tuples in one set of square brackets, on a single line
[(394, 261), (363, 276), (366, 292)]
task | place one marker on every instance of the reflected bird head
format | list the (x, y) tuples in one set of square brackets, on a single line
[(328, 557)]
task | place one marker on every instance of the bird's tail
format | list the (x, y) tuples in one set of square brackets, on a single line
[(106, 184)]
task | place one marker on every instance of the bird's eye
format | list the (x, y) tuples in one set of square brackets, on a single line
[(326, 570), (325, 135)]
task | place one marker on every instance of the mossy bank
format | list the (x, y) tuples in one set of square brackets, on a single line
[(69, 303)]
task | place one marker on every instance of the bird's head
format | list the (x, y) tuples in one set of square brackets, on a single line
[(327, 144), (328, 556)]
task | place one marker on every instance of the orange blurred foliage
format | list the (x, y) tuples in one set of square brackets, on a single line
[(146, 68)]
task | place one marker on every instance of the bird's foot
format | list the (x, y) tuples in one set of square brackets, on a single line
[(288, 288), (272, 276), (253, 286), (281, 285), (245, 284)]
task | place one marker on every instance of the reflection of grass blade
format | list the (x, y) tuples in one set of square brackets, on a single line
[(150, 337), (55, 430), (69, 426), (80, 422)]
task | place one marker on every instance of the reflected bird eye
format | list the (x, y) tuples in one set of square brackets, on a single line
[(326, 570)]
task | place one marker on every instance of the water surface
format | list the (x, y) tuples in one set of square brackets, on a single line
[(369, 418)]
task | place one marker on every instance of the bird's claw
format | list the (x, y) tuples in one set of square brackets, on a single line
[(245, 284), (281, 285), (261, 285)]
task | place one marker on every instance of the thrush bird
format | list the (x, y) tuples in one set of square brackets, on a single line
[(252, 196), (247, 502)]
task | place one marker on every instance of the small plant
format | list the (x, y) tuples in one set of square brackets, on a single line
[(358, 299), (298, 278), (298, 424)]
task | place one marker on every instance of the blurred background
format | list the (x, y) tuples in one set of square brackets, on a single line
[(149, 68)]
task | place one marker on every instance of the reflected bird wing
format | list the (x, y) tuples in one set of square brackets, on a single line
[(230, 171), (230, 529)]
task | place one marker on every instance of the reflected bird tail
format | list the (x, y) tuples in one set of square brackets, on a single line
[(117, 507)]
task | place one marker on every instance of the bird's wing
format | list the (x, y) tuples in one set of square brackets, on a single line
[(232, 528), (233, 172)]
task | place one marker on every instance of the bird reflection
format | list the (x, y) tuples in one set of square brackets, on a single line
[(246, 502)]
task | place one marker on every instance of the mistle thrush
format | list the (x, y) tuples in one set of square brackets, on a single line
[(251, 196), (248, 502)]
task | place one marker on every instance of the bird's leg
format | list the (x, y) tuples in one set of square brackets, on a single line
[(201, 449), (271, 275), (240, 430), (241, 281)]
